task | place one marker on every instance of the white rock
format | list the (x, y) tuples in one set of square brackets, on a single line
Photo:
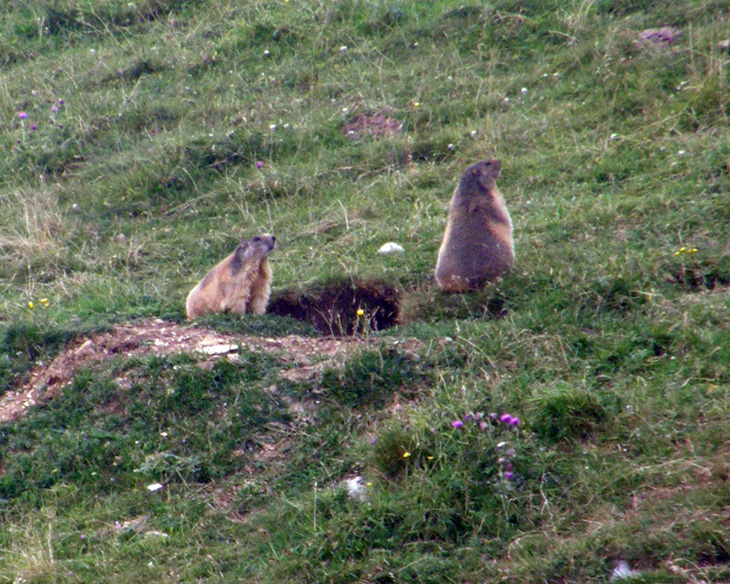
[(356, 488), (390, 247), (221, 349), (623, 571)]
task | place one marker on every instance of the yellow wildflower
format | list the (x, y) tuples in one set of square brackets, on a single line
[(406, 454), (360, 312), (31, 305)]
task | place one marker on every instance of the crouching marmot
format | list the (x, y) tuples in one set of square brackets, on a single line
[(239, 284), (477, 247)]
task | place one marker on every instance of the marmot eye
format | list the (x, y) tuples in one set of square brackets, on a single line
[(257, 239)]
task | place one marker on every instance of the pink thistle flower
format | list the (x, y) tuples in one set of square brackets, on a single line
[(457, 423), (54, 109), (22, 115), (60, 101), (505, 419), (33, 127), (259, 164), (514, 421), (509, 475)]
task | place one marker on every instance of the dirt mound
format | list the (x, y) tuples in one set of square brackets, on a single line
[(307, 356)]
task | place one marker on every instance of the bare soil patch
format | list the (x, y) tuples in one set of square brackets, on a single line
[(307, 356), (375, 126)]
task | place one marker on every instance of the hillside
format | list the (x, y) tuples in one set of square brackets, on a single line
[(567, 424)]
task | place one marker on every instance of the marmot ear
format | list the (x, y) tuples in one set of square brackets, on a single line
[(242, 247)]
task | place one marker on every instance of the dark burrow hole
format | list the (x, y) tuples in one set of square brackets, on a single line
[(342, 309), (706, 274)]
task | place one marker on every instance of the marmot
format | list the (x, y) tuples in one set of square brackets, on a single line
[(239, 284), (477, 246)]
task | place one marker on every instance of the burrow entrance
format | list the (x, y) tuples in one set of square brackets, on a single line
[(342, 309)]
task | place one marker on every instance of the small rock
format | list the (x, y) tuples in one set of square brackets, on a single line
[(665, 35), (86, 349), (623, 571), (356, 488), (221, 349), (390, 248)]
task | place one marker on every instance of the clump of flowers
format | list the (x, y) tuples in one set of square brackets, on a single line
[(44, 303), (685, 251), (484, 422)]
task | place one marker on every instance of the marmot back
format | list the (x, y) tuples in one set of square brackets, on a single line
[(477, 247), (239, 284)]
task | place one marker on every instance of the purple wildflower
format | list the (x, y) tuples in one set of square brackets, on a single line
[(33, 127), (457, 423), (22, 115), (372, 440), (515, 421), (483, 425), (505, 419), (259, 164), (54, 109), (60, 101), (509, 475)]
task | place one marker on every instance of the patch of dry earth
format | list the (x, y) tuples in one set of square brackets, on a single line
[(308, 356)]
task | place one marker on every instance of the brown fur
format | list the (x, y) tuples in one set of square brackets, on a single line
[(477, 246), (239, 284)]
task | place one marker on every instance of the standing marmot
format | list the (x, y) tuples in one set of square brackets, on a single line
[(239, 284), (477, 246)]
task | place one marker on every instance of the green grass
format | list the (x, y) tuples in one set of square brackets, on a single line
[(162, 132)]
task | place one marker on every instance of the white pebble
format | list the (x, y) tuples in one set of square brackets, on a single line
[(390, 247), (356, 488)]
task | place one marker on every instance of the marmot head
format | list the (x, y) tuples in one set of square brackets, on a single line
[(259, 246), (480, 176)]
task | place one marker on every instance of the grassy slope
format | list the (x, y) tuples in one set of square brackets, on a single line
[(614, 351)]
